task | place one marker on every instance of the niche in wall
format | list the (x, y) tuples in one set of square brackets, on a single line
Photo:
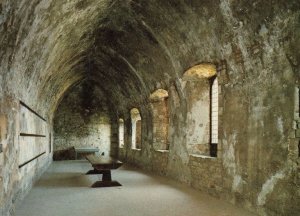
[(121, 133), (160, 119), (136, 124), (201, 89)]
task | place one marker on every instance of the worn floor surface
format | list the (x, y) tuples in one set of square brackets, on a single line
[(64, 191)]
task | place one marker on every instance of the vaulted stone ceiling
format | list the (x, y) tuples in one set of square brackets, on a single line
[(128, 47)]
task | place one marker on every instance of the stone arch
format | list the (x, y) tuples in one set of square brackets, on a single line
[(200, 71)]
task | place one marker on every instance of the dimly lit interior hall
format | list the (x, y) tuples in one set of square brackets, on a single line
[(149, 107)]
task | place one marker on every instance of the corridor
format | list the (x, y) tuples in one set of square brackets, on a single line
[(64, 190)]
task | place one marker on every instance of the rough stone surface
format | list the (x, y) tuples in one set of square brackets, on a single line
[(160, 161), (206, 174), (130, 48), (82, 120)]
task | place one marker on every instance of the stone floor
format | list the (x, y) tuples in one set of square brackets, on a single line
[(64, 190)]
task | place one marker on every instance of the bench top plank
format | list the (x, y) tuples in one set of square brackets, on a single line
[(103, 162)]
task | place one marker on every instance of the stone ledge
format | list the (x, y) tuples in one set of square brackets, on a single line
[(135, 149), (202, 156), (162, 151)]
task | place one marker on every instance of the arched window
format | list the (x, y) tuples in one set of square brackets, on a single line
[(159, 104), (121, 133), (136, 124), (201, 89), (214, 107)]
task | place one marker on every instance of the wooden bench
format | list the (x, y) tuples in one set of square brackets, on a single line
[(85, 150), (103, 165)]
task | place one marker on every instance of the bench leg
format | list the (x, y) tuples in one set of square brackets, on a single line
[(106, 177), (106, 180)]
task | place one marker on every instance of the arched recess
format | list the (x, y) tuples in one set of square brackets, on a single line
[(121, 133), (201, 90), (160, 119), (136, 130)]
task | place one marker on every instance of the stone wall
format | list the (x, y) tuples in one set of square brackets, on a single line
[(242, 147), (160, 161), (82, 120), (206, 174), (129, 49), (26, 144)]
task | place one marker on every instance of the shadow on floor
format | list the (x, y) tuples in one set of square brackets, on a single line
[(65, 180)]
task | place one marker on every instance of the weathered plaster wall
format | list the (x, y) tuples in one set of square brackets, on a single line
[(198, 120), (18, 172), (82, 120)]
